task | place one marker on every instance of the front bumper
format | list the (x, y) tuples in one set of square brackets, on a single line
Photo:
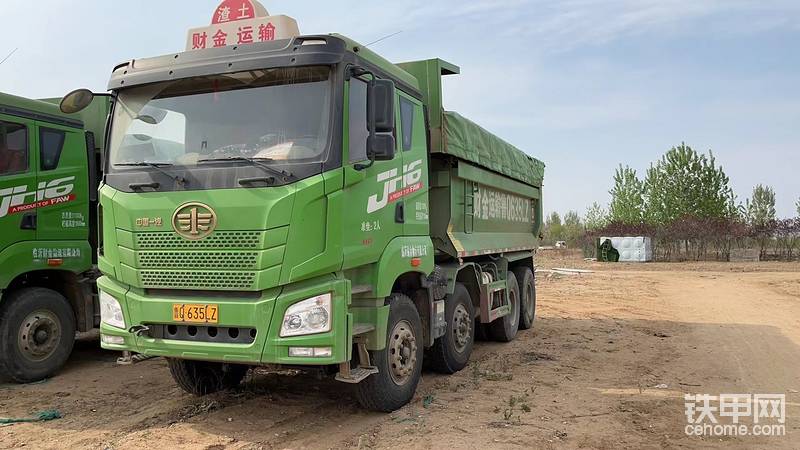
[(264, 314)]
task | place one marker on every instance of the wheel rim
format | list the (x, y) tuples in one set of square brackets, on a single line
[(513, 299), (402, 353), (529, 304), (39, 336), (462, 325)]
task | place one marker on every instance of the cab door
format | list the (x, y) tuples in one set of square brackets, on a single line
[(17, 180), (412, 143), (63, 183), (373, 214)]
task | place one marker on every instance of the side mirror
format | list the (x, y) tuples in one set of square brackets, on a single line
[(381, 102), (76, 101), (381, 147), (380, 119)]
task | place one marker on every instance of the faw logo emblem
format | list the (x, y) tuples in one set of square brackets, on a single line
[(396, 186), (194, 221), (19, 199)]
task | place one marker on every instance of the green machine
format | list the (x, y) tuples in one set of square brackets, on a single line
[(305, 202), (48, 229)]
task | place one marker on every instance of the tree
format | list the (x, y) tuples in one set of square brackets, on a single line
[(761, 206), (552, 228), (787, 232), (596, 217), (760, 209), (798, 207), (572, 230), (627, 197), (684, 183)]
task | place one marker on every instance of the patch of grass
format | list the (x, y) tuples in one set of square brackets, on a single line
[(512, 410)]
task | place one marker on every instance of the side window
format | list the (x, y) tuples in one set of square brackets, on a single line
[(13, 148), (407, 122), (51, 142), (358, 120)]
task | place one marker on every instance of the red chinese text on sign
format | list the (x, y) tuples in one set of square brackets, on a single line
[(220, 39), (231, 10), (266, 32), (245, 35), (199, 40)]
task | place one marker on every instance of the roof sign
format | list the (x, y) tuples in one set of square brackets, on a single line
[(238, 22)]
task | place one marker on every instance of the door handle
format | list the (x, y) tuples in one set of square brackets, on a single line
[(28, 221), (400, 212)]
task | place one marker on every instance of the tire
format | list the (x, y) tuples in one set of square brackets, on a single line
[(203, 377), (450, 353), (393, 387), (505, 328), (527, 297), (37, 333)]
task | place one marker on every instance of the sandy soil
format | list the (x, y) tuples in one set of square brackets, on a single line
[(585, 377)]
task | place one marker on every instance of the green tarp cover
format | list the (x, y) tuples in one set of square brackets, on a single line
[(468, 140)]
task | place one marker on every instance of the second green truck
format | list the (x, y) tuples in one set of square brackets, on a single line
[(305, 202)]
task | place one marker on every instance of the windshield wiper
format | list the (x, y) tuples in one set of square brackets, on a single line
[(259, 162), (158, 166)]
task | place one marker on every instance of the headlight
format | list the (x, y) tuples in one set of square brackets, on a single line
[(309, 316), (110, 311)]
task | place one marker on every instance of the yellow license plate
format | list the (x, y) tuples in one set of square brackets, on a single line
[(195, 313)]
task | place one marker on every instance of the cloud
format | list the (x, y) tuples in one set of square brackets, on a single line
[(565, 25)]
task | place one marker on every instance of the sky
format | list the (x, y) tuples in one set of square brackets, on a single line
[(584, 85)]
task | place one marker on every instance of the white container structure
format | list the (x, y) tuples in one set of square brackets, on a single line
[(632, 248)]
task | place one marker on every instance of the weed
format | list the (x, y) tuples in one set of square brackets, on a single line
[(515, 407)]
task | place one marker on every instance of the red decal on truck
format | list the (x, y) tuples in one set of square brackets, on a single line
[(396, 186), (42, 204), (405, 191)]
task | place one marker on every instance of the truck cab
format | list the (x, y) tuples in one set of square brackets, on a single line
[(48, 178), (281, 203)]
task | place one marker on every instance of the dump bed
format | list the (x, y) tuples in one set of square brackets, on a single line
[(485, 193), (467, 140)]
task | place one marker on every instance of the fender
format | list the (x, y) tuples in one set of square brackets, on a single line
[(30, 256), (399, 257)]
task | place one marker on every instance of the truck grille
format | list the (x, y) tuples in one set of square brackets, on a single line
[(223, 261), (197, 279), (221, 240), (198, 260)]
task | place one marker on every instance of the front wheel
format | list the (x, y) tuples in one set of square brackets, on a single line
[(399, 363), (37, 333), (203, 377)]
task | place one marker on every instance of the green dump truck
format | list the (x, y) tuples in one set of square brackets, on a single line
[(305, 202), (48, 229)]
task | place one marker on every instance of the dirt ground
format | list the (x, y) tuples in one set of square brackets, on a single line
[(606, 366)]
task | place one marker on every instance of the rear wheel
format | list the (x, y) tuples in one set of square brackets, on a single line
[(37, 333), (450, 353), (399, 363), (505, 328), (527, 297), (203, 377)]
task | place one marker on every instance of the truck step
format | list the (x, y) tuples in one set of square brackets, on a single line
[(361, 289), (499, 312), (362, 328), (356, 375)]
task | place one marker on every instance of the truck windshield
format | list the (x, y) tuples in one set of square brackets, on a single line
[(279, 116)]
